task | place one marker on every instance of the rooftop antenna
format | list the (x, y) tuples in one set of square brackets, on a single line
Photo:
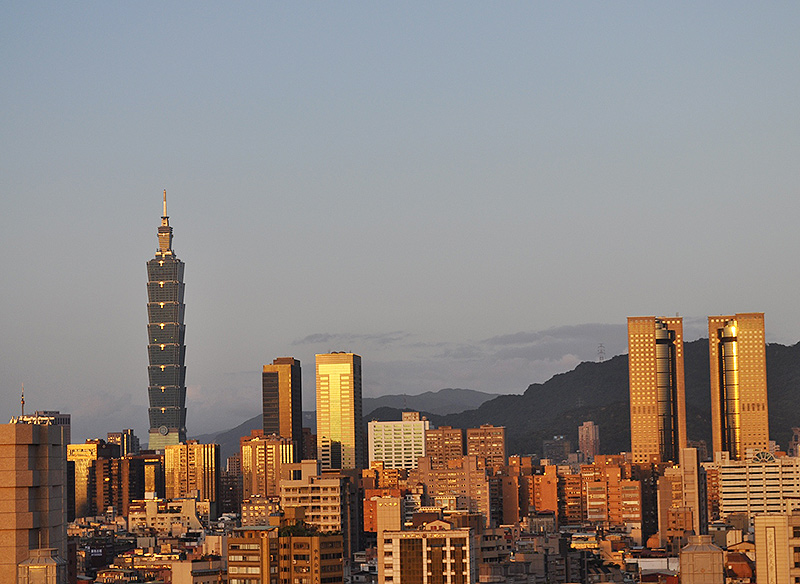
[(22, 400), (165, 203), (601, 353)]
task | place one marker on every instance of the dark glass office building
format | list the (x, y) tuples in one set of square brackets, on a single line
[(165, 348)]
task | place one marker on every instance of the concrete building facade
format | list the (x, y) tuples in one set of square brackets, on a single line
[(33, 494)]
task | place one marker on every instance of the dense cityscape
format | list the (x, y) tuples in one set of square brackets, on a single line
[(404, 502)]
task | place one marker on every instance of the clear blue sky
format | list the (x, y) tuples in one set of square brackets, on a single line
[(468, 195)]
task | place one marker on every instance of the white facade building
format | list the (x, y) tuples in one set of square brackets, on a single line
[(398, 444), (764, 484)]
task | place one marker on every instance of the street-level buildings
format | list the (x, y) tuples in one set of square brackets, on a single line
[(273, 555), (435, 554)]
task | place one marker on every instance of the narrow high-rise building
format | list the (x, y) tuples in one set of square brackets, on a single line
[(589, 440), (165, 344), (657, 390), (282, 395), (738, 362), (261, 459), (340, 427)]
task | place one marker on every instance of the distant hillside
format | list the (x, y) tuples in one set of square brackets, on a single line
[(442, 402), (599, 392), (591, 391)]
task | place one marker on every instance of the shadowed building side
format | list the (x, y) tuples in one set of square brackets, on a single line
[(282, 395)]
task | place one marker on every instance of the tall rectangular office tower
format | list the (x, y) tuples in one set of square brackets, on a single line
[(340, 427), (738, 362), (165, 348), (657, 389), (282, 393)]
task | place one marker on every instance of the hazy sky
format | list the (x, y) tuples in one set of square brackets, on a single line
[(452, 190)]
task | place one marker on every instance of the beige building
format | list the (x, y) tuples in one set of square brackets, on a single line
[(589, 440), (192, 470), (282, 394), (168, 518), (263, 556), (738, 363), (443, 444), (436, 554), (261, 460), (340, 427), (464, 481), (657, 389), (488, 442), (778, 547), (764, 484), (258, 510), (702, 562), (33, 494), (328, 499), (610, 496)]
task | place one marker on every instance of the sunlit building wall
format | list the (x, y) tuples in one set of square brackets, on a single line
[(657, 389), (738, 363), (192, 469), (340, 428)]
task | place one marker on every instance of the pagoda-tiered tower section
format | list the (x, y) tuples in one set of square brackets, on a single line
[(165, 346)]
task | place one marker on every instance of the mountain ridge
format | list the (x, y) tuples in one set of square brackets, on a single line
[(596, 391)]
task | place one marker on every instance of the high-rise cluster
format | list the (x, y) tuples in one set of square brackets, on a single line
[(738, 371)]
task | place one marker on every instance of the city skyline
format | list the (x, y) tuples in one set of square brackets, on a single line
[(455, 197)]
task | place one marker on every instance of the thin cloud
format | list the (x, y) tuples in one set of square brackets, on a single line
[(387, 338), (572, 333)]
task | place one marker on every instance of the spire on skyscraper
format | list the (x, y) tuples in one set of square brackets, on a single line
[(165, 231)]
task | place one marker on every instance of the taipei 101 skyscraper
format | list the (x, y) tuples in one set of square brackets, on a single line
[(165, 348)]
